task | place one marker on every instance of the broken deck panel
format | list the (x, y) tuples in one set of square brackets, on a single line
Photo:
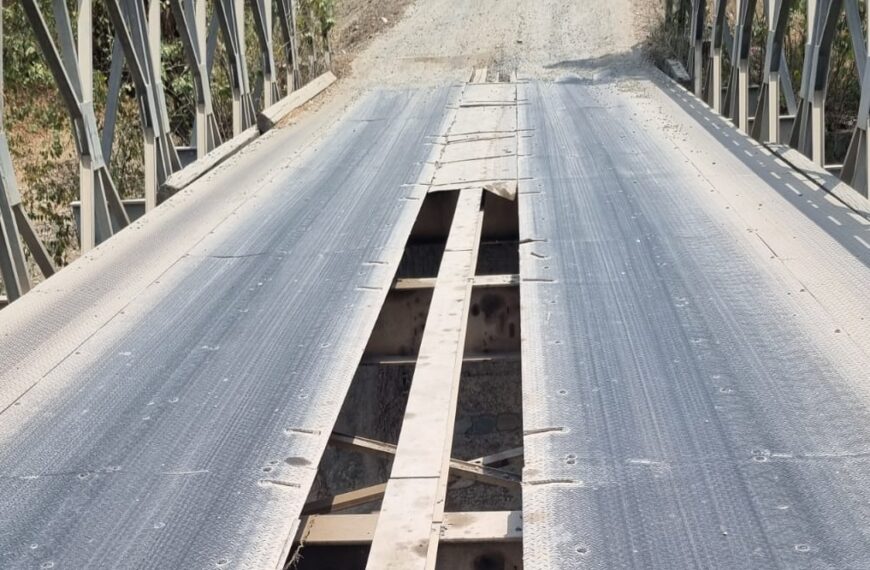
[(684, 406), (166, 401)]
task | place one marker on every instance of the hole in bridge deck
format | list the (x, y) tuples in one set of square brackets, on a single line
[(499, 244), (425, 246), (488, 425)]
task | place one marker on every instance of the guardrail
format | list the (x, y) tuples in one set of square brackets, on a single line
[(67, 49)]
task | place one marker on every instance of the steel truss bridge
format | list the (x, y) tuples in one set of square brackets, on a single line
[(498, 323)]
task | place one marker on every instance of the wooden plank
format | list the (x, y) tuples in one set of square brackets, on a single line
[(362, 444), (477, 527), (480, 121), (485, 526), (414, 500), (479, 75), (489, 168), (499, 458), (347, 500), (411, 283), (268, 118)]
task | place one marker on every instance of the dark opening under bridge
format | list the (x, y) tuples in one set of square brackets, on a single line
[(506, 322)]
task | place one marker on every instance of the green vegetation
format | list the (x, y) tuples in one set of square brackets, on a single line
[(38, 126)]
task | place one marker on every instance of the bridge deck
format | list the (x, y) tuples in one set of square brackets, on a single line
[(182, 425), (695, 347), (691, 396)]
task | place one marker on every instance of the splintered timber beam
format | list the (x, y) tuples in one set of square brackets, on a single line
[(374, 493), (347, 500), (499, 458), (477, 470), (413, 507), (468, 527)]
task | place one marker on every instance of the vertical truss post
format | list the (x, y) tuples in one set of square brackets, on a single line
[(71, 66), (139, 36), (771, 82), (230, 15), (13, 266), (714, 70), (767, 120), (287, 21), (808, 134), (239, 22), (14, 223), (818, 104), (856, 166), (270, 87), (262, 11), (113, 99), (150, 147), (203, 107), (696, 55), (312, 40), (86, 78), (190, 20), (15, 226), (738, 85)]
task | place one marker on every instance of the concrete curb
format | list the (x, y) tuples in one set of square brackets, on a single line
[(201, 166), (266, 120)]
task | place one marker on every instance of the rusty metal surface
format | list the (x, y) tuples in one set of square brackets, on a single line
[(184, 429), (683, 407)]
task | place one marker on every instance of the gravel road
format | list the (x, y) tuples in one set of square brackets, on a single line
[(442, 40)]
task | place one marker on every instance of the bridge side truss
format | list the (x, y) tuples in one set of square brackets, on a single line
[(802, 126), (67, 49)]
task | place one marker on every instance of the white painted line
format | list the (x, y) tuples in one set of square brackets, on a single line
[(862, 242), (775, 175), (835, 220), (813, 204), (748, 153), (793, 189)]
